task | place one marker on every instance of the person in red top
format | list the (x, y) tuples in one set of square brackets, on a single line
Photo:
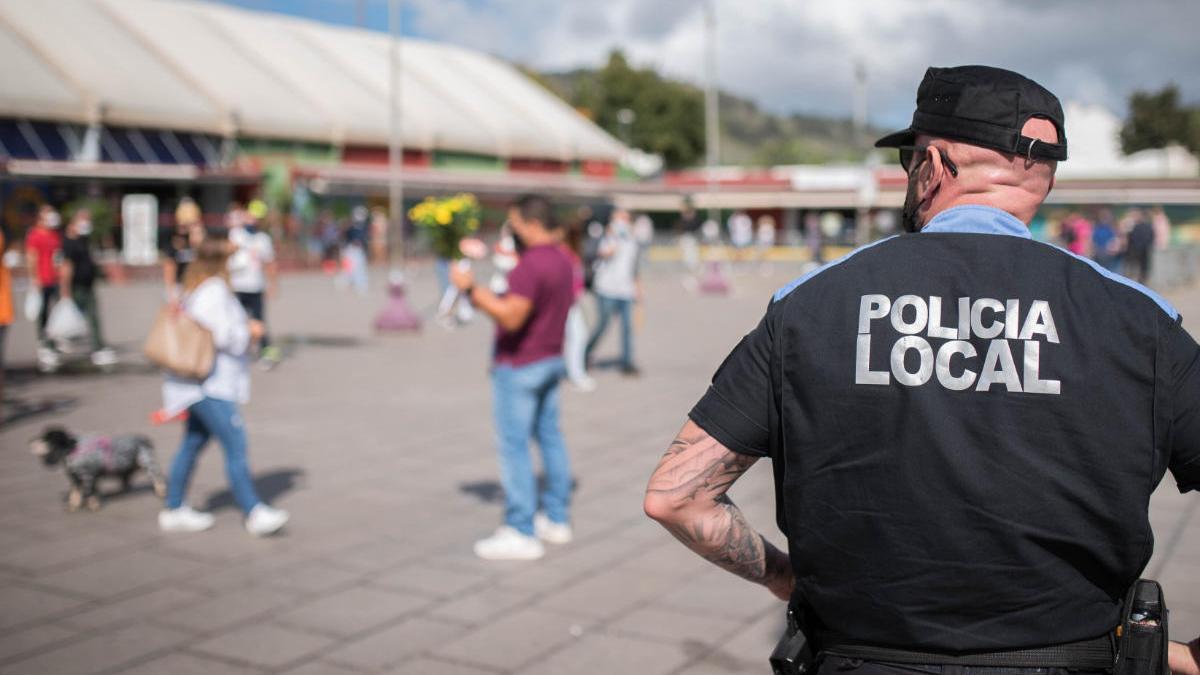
[(43, 249), (527, 366)]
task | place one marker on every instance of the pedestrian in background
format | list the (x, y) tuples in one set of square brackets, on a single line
[(527, 367), (616, 287), (43, 250), (213, 404), (354, 251), (6, 311), (253, 273), (576, 337), (179, 246), (1139, 246), (78, 275)]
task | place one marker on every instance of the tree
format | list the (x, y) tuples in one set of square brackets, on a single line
[(1157, 119)]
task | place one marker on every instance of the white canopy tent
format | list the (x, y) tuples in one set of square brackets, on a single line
[(198, 66)]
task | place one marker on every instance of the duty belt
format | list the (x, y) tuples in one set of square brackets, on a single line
[(1095, 654)]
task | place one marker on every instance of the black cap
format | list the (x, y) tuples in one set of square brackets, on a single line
[(983, 106)]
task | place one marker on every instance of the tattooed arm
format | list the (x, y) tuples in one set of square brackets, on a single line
[(686, 495)]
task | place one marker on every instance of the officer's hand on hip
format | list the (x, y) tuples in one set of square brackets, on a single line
[(1184, 659)]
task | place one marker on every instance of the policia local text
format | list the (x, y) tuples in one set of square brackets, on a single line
[(1000, 323)]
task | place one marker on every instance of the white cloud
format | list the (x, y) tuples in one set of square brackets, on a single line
[(794, 55)]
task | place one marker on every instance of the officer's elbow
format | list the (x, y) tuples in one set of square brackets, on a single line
[(659, 506)]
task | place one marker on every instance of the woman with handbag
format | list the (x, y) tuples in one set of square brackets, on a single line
[(212, 401)]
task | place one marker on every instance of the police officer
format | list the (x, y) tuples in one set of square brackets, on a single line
[(965, 424)]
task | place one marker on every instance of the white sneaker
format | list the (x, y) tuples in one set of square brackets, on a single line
[(104, 357), (184, 519), (584, 384), (48, 360), (548, 530), (265, 520), (509, 544)]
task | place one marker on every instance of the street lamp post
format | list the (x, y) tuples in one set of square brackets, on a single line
[(397, 315), (712, 280)]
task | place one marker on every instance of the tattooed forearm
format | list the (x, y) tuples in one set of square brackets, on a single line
[(687, 495)]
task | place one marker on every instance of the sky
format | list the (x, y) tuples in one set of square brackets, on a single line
[(799, 55)]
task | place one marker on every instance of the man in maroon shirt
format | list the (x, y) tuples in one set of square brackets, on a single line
[(527, 367)]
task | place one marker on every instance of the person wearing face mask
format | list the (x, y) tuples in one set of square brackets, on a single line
[(616, 286), (78, 276), (43, 249), (253, 273), (965, 425)]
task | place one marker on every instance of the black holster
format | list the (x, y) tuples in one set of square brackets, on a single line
[(794, 654), (1142, 635)]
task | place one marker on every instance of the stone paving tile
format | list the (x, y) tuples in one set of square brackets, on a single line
[(611, 654), (438, 667), (264, 644), (99, 653), (232, 607), (609, 593), (40, 556), (429, 580), (189, 664), (327, 668), (308, 577), (676, 626), (118, 574), (353, 610), (22, 605), (391, 645), (512, 640), (19, 642), (478, 606), (127, 610)]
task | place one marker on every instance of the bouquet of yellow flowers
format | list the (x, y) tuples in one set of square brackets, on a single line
[(448, 221)]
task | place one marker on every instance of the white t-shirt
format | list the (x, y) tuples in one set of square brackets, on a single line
[(254, 251)]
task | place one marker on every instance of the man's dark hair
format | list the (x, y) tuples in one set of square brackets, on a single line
[(536, 207)]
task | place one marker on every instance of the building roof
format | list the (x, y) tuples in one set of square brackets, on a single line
[(203, 67)]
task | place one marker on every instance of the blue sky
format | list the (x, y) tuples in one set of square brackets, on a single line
[(799, 55)]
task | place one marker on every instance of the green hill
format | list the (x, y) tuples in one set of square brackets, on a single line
[(668, 119)]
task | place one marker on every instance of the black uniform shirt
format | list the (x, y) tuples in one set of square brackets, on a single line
[(83, 266), (966, 426)]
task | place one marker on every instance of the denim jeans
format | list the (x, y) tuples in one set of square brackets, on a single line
[(525, 401), (206, 418), (609, 306)]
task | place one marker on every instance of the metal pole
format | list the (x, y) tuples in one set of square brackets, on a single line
[(395, 133), (711, 122), (862, 226)]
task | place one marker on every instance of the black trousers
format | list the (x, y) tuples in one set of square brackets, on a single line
[(255, 305), (837, 665)]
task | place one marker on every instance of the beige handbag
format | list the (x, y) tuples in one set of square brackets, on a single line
[(179, 345)]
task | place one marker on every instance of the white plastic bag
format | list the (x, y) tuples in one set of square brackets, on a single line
[(66, 322), (33, 303)]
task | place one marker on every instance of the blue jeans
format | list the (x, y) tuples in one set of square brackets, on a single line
[(609, 306), (525, 402), (206, 418)]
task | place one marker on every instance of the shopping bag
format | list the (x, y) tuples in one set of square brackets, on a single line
[(179, 345), (66, 322), (33, 303)]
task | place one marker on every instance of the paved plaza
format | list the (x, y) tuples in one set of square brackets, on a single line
[(381, 448)]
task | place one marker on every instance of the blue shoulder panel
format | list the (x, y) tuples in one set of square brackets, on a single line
[(792, 285), (1124, 281)]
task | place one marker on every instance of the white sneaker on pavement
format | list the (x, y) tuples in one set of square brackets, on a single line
[(184, 519), (548, 530), (104, 357), (509, 544), (265, 520)]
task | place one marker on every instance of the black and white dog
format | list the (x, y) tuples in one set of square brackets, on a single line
[(91, 457)]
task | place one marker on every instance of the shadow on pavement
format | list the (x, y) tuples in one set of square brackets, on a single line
[(15, 410), (269, 486), (490, 491)]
